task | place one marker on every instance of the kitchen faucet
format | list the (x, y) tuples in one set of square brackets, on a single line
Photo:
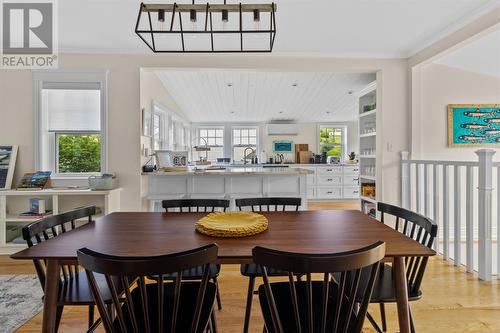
[(245, 156)]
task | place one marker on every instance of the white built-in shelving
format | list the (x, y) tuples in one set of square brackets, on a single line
[(368, 113), (14, 202)]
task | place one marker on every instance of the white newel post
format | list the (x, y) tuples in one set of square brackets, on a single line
[(484, 207), (405, 180)]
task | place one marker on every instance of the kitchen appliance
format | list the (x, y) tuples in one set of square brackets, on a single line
[(224, 160), (333, 160), (180, 158), (317, 159), (323, 158)]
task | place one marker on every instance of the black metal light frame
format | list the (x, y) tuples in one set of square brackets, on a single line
[(209, 9)]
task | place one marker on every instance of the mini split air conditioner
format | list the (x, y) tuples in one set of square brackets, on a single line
[(282, 129)]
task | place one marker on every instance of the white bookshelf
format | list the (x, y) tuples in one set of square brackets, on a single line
[(368, 143), (13, 202)]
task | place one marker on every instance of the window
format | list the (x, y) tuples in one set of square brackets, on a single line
[(213, 137), (70, 121), (332, 140), (244, 137)]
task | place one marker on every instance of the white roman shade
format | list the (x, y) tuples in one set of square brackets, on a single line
[(73, 109)]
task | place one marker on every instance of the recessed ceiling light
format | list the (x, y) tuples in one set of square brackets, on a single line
[(350, 92), (280, 112), (328, 112), (229, 84), (295, 84), (232, 112)]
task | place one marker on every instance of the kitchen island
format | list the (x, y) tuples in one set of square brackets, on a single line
[(229, 183)]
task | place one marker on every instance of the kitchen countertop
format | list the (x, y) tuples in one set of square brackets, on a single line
[(235, 171)]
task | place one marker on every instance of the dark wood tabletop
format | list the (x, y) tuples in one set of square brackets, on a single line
[(148, 234)]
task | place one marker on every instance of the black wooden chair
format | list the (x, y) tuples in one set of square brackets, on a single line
[(322, 305), (74, 287), (268, 204), (421, 229), (197, 205), (252, 271), (177, 307)]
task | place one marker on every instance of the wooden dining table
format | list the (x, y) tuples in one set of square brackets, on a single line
[(149, 234)]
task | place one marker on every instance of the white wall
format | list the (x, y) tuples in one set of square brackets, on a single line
[(124, 112), (308, 133), (442, 85)]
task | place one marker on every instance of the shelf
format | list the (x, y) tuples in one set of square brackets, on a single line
[(368, 177), (56, 191), (21, 220), (368, 199), (367, 156), (366, 135), (368, 113)]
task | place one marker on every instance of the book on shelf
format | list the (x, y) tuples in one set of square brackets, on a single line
[(34, 215), (37, 205), (34, 181)]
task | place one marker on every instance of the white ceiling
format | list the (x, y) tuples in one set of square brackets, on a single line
[(479, 56), (350, 28), (254, 96)]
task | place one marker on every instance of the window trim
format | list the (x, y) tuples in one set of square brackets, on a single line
[(197, 130), (71, 79), (257, 144), (343, 145)]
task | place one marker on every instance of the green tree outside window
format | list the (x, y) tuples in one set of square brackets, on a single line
[(331, 140), (79, 153)]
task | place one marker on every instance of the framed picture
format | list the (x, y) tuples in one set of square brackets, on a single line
[(474, 125), (146, 122), (8, 156), (283, 146)]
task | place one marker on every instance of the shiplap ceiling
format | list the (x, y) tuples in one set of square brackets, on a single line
[(480, 56), (342, 28), (254, 96)]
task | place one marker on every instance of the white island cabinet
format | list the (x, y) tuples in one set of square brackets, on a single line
[(231, 183)]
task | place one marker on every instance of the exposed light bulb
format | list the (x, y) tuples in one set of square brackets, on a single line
[(161, 18), (225, 18), (256, 19), (192, 18)]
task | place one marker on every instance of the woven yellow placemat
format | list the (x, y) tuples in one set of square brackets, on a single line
[(231, 224)]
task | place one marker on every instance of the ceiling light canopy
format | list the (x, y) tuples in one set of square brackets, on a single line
[(198, 28)]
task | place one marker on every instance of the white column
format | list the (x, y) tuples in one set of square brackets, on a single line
[(484, 208), (469, 222), (405, 180), (457, 216)]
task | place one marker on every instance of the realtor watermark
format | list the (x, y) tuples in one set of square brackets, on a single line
[(29, 34)]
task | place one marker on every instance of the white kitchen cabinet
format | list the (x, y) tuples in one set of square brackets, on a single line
[(351, 192), (329, 192), (331, 182)]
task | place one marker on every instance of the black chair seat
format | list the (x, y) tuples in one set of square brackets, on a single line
[(188, 300), (252, 270), (383, 289), (76, 291), (283, 300)]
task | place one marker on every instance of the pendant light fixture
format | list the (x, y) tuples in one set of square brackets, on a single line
[(244, 27)]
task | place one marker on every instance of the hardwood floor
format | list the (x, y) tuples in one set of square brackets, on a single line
[(453, 301)]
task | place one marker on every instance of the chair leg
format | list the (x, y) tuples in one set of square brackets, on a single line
[(382, 315), (373, 322), (91, 315), (248, 309), (59, 312), (213, 322), (412, 323), (217, 294)]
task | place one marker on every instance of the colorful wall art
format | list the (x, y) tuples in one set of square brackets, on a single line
[(473, 125)]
